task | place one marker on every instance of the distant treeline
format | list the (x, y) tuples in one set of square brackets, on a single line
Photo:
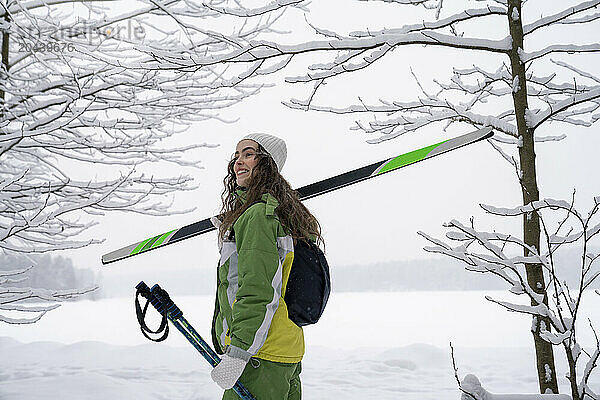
[(429, 274), (438, 274), (49, 272)]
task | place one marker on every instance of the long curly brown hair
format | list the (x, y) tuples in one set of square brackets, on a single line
[(293, 215)]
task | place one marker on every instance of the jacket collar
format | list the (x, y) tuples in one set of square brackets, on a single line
[(271, 201)]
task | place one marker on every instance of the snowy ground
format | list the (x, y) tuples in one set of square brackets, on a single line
[(99, 371), (369, 345)]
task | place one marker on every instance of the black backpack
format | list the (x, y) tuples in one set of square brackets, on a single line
[(308, 285)]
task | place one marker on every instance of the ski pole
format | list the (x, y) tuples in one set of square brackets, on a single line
[(161, 301)]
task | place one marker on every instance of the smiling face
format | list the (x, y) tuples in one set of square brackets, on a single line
[(245, 161)]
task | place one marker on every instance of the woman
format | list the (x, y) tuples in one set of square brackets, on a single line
[(260, 219)]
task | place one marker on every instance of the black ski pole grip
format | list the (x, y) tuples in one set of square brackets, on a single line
[(161, 301), (143, 289), (159, 298)]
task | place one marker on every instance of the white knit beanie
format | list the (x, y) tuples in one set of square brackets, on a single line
[(273, 145)]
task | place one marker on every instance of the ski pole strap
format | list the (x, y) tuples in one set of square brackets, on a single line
[(161, 301), (156, 299)]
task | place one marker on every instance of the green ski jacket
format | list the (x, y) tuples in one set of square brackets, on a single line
[(251, 317)]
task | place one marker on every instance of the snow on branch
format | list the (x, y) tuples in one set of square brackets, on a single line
[(510, 159), (538, 310), (402, 117), (581, 20), (534, 206), (439, 24), (395, 118), (253, 12), (329, 71), (507, 257), (7, 276), (80, 103), (578, 71), (77, 106), (559, 17), (541, 139), (472, 95), (263, 50), (17, 7), (17, 302), (536, 119), (560, 48)]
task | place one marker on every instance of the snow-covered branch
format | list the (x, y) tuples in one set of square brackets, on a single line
[(506, 257), (536, 119), (469, 96), (266, 50), (253, 12), (560, 48), (439, 24), (28, 305), (560, 16), (79, 128), (71, 102)]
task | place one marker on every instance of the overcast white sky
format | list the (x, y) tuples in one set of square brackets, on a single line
[(376, 220)]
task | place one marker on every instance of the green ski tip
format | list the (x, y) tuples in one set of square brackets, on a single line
[(408, 158)]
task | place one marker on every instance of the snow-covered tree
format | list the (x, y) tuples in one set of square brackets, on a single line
[(514, 45), (502, 255), (79, 125)]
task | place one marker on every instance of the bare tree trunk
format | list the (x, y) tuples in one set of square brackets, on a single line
[(4, 68), (4, 65), (529, 188)]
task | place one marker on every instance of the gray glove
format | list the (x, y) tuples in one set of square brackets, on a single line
[(229, 370)]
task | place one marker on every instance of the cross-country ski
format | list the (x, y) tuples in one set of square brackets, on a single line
[(309, 191)]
